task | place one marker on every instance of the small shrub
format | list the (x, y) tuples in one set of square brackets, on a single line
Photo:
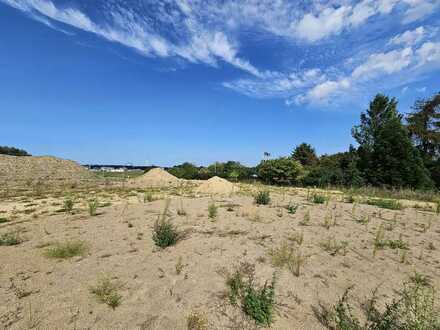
[(397, 244), (106, 292), (318, 199), (196, 321), (413, 308), (212, 211), (350, 199), (92, 206), (3, 220), (262, 198), (390, 204), (10, 238), (164, 233), (292, 208), (257, 302), (68, 204), (66, 250)]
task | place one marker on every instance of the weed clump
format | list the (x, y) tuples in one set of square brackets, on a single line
[(68, 204), (333, 247), (10, 238), (212, 211), (413, 308), (318, 199), (380, 242), (287, 255), (390, 204), (306, 220), (148, 197), (256, 301), (262, 198), (106, 292), (164, 232), (92, 206), (196, 321), (66, 250), (292, 208)]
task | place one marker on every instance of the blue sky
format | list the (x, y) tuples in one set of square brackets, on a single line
[(166, 81)]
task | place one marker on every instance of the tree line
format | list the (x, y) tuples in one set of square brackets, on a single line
[(393, 151), (11, 151)]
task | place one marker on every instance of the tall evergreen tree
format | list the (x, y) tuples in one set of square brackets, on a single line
[(387, 156), (424, 129), (305, 154)]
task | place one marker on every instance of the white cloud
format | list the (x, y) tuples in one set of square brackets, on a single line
[(429, 52), (208, 31), (329, 21), (409, 37), (322, 92), (277, 84), (204, 46), (387, 63), (419, 9)]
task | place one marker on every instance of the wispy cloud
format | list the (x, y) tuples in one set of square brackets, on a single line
[(210, 32)]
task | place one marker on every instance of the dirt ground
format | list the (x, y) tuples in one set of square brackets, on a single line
[(161, 287)]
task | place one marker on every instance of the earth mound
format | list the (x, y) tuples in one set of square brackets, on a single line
[(26, 170), (216, 185), (156, 177)]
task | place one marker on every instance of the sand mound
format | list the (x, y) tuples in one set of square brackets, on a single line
[(156, 177), (216, 185), (28, 170)]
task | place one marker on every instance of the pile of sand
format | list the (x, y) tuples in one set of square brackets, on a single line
[(156, 177), (30, 170), (216, 185)]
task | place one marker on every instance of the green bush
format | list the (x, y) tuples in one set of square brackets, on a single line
[(413, 308), (257, 302), (282, 170), (292, 208), (262, 198), (164, 233), (318, 199), (68, 204), (92, 206)]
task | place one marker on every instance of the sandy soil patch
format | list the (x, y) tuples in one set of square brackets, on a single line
[(54, 294)]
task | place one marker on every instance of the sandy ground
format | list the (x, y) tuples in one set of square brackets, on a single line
[(42, 293)]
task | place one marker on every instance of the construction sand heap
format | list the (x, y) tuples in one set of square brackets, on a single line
[(26, 170), (156, 177), (216, 185)]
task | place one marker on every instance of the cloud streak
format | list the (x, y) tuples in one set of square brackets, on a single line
[(210, 32)]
